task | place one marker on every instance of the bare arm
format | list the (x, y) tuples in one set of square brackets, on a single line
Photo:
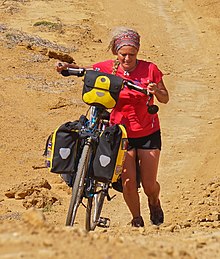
[(60, 66), (160, 91)]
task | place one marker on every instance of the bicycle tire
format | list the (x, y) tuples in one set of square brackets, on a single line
[(78, 186), (95, 202)]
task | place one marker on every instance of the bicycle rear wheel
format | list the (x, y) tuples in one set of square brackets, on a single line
[(94, 207), (78, 186)]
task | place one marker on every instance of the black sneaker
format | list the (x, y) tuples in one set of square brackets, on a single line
[(156, 214), (137, 222)]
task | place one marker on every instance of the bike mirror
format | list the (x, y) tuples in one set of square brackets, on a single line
[(152, 109)]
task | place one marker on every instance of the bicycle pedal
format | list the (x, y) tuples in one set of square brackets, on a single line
[(103, 222)]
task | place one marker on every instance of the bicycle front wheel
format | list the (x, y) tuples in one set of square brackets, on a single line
[(94, 207), (78, 186)]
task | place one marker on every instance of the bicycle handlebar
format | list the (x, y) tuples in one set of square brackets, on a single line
[(73, 72), (152, 109), (81, 72), (138, 88)]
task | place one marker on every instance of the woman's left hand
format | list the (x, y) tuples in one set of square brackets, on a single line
[(159, 90), (152, 88)]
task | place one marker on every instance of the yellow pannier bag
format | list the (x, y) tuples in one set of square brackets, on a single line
[(101, 89), (110, 154), (61, 148)]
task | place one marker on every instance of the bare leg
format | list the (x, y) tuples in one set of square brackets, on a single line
[(130, 191), (149, 160)]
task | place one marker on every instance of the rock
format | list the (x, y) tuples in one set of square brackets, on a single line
[(21, 194), (35, 194), (61, 56), (27, 188), (40, 199), (187, 225), (34, 217), (10, 194)]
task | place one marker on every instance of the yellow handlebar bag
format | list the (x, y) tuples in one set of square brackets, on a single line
[(101, 89)]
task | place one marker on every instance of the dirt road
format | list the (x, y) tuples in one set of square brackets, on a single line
[(182, 37)]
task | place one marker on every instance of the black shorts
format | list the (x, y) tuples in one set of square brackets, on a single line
[(152, 141)]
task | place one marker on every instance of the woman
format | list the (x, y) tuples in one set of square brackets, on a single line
[(143, 129)]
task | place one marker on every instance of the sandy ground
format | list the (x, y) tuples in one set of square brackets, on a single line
[(182, 37)]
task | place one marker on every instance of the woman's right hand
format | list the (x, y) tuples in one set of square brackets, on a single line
[(60, 66)]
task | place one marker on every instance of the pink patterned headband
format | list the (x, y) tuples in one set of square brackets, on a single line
[(129, 38)]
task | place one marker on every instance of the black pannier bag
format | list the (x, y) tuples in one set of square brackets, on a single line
[(101, 89), (62, 148), (110, 154)]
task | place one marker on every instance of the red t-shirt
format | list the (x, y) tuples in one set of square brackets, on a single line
[(131, 109)]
